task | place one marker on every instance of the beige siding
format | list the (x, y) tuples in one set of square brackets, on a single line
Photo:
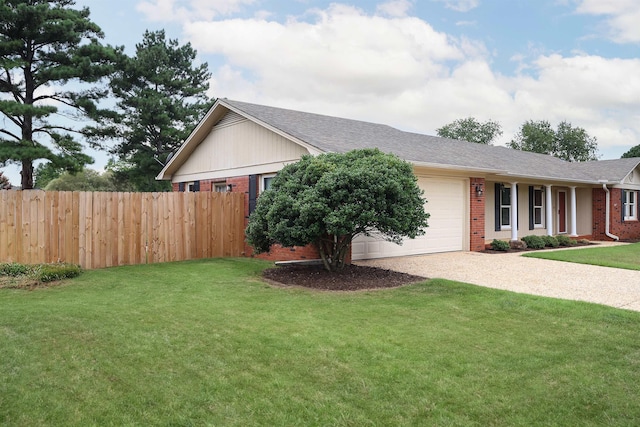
[(238, 146), (584, 205)]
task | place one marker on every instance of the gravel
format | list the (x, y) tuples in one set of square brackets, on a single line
[(511, 271)]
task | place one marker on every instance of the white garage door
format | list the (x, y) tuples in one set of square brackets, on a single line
[(446, 203)]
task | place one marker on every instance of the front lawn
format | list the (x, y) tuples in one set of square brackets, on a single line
[(208, 343), (623, 256)]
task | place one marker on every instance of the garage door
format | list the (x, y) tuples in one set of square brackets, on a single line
[(446, 202)]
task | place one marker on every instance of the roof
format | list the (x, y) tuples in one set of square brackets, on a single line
[(335, 134)]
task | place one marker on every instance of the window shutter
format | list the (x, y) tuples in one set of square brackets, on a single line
[(531, 225), (253, 192), (196, 186), (498, 191), (622, 205), (181, 187)]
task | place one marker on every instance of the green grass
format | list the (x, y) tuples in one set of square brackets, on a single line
[(623, 256), (207, 343)]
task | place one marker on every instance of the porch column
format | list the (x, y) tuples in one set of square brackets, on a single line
[(574, 214), (549, 211), (514, 211)]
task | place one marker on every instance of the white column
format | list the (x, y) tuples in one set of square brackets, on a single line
[(549, 211), (514, 211), (574, 214)]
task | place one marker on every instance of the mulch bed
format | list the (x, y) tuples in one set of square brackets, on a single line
[(350, 278)]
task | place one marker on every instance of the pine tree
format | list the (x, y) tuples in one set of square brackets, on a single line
[(50, 62), (161, 96)]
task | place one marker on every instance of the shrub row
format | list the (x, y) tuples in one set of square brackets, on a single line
[(41, 272), (536, 242)]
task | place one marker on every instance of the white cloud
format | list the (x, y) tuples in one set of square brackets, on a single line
[(399, 70), (395, 8), (622, 17), (186, 10), (460, 5)]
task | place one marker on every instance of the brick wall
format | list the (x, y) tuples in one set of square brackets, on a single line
[(477, 215), (625, 230)]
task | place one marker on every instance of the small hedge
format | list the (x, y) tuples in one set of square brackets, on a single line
[(550, 241), (41, 272), (564, 240), (499, 245), (534, 242)]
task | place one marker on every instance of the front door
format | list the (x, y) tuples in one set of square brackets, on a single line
[(562, 212)]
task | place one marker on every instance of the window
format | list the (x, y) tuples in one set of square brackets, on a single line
[(630, 202), (220, 187), (505, 207), (192, 187), (538, 207), (266, 181)]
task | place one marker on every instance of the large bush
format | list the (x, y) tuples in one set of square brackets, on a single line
[(534, 242), (327, 200)]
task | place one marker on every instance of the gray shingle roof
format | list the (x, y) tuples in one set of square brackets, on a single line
[(334, 134)]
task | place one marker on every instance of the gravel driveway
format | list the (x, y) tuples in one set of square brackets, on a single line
[(513, 272)]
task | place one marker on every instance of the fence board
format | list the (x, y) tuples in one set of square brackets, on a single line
[(99, 230)]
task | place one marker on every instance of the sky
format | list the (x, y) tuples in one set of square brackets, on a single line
[(412, 64)]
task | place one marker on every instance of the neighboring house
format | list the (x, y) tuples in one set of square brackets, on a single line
[(475, 193)]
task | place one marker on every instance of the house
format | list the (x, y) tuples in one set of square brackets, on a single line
[(475, 193)]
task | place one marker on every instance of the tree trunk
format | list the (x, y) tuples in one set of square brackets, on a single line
[(27, 175)]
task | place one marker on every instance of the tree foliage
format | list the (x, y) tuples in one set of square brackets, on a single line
[(84, 180), (567, 142), (327, 200), (45, 47), (633, 152), (160, 96), (471, 130)]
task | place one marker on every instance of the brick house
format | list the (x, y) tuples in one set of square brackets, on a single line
[(475, 193)]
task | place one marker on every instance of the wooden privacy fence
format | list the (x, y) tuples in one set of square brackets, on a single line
[(96, 229)]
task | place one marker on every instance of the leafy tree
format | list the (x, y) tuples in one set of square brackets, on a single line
[(471, 130), (161, 97), (44, 173), (4, 182), (633, 152), (46, 46), (567, 142), (85, 180), (328, 199)]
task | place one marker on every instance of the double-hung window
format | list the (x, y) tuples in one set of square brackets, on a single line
[(630, 205), (537, 202), (505, 207)]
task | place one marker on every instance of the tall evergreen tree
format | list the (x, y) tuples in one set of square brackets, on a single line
[(161, 96), (50, 62)]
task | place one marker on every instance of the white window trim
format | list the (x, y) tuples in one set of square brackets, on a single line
[(222, 185), (262, 180), (503, 206), (541, 207), (630, 208)]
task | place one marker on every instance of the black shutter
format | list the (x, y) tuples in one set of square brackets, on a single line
[(253, 192), (622, 206), (181, 187), (531, 201), (498, 192), (196, 186)]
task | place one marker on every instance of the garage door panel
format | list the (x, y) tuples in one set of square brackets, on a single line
[(446, 204)]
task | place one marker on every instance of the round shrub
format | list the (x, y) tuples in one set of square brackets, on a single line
[(534, 242), (499, 245), (564, 240), (550, 241)]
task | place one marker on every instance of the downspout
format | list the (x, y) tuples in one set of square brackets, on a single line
[(607, 208)]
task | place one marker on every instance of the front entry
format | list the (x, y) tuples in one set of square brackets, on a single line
[(562, 212)]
